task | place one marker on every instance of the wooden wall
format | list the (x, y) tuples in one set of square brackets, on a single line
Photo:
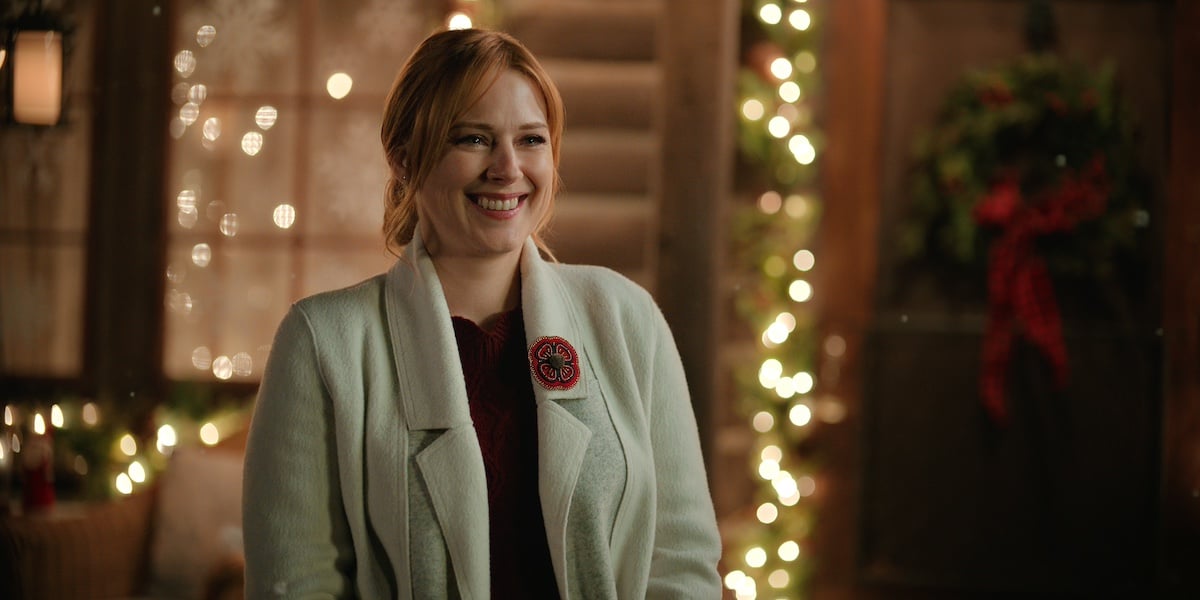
[(1089, 492)]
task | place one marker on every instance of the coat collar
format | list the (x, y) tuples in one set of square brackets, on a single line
[(424, 347)]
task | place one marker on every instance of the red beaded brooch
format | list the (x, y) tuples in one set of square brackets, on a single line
[(554, 363)]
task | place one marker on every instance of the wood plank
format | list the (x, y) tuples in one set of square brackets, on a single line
[(844, 279), (1181, 411), (698, 50)]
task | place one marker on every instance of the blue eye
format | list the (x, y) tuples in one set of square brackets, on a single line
[(473, 139)]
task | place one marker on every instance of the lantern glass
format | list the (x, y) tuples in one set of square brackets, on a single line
[(37, 77)]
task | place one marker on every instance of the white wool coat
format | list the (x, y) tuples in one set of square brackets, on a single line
[(364, 475)]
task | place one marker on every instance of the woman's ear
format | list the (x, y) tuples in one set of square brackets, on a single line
[(398, 163)]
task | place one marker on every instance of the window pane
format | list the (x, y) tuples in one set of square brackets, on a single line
[(274, 186)]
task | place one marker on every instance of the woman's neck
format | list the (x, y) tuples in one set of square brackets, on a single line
[(480, 288)]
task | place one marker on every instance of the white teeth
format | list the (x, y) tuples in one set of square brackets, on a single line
[(509, 204)]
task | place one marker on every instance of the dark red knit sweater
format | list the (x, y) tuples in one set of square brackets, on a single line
[(502, 404)]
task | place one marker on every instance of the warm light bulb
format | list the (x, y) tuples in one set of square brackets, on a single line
[(786, 319), (209, 434), (124, 484), (734, 578), (229, 224), (800, 291), (802, 149), (769, 373), (265, 117), (785, 388), (767, 513), (756, 557), (768, 469), (770, 14), (128, 445), (800, 415), (781, 68), (185, 63), (137, 472), (753, 109), (778, 579), (167, 436), (202, 358), (804, 260), (338, 85), (779, 127), (56, 416), (789, 551), (39, 424), (252, 143), (284, 216), (91, 414), (770, 202), (763, 421), (789, 91), (222, 367), (777, 332), (458, 20), (804, 382), (211, 129), (205, 35), (800, 20), (806, 485)]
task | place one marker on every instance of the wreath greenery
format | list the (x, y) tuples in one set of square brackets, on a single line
[(1021, 137)]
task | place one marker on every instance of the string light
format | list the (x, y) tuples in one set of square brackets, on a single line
[(338, 85), (458, 20), (800, 20), (779, 136), (753, 109), (789, 551), (779, 127), (209, 434), (770, 14), (128, 445), (781, 68)]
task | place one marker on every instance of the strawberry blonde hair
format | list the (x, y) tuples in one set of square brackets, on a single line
[(442, 79)]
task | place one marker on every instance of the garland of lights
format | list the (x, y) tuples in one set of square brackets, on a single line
[(778, 148)]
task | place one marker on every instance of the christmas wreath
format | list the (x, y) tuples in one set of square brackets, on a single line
[(1028, 173)]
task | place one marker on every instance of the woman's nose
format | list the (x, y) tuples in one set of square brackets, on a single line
[(504, 166)]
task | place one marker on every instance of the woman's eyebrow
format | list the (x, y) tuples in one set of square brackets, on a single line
[(487, 127)]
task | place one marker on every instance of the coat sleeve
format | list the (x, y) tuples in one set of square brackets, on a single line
[(687, 544), (296, 535)]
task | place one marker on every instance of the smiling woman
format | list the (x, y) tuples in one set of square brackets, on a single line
[(478, 421)]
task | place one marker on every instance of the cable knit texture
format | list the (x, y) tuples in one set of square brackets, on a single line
[(501, 400)]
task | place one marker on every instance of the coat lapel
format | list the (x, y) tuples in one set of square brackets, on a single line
[(434, 397), (562, 438)]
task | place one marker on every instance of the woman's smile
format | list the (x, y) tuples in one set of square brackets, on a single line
[(498, 206)]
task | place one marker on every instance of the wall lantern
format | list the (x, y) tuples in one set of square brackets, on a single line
[(31, 64)]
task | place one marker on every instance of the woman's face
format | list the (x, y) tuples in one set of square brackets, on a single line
[(494, 184)]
